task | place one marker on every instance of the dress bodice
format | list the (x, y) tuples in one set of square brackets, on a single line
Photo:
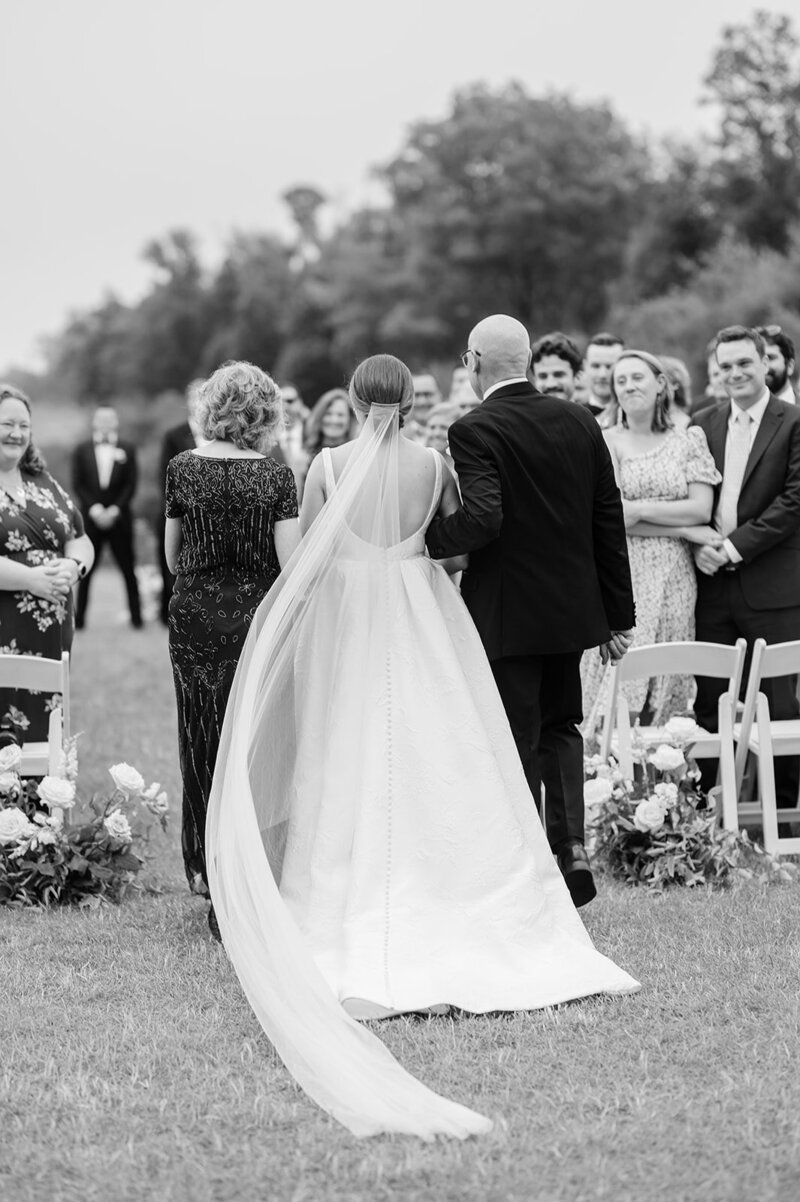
[(664, 473), (408, 548), (228, 510)]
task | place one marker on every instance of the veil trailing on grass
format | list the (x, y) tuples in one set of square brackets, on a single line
[(265, 791)]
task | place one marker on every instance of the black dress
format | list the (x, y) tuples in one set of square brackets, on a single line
[(227, 562)]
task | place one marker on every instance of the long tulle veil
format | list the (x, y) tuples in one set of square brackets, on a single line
[(257, 790)]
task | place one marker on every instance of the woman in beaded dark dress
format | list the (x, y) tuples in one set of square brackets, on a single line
[(231, 526)]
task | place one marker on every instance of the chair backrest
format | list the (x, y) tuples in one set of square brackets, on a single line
[(719, 660), (779, 659), (43, 675)]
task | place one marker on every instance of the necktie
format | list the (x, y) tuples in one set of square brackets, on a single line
[(736, 455)]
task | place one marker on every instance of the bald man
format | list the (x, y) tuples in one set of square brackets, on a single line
[(104, 477), (548, 572)]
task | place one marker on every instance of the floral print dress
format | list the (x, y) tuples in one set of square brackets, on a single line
[(33, 532), (664, 581)]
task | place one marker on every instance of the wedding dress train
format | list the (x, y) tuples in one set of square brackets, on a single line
[(373, 843)]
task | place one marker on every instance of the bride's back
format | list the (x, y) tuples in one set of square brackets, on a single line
[(416, 480)]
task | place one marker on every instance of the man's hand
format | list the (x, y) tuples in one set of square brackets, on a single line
[(710, 559), (616, 646)]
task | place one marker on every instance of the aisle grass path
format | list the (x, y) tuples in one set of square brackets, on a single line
[(132, 1068)]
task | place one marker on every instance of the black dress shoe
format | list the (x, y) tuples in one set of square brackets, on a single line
[(574, 864), (213, 925)]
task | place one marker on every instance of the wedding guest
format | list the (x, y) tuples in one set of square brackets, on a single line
[(716, 392), (427, 397), (601, 354), (437, 427), (556, 363), (231, 526), (182, 437), (43, 553), (666, 476), (681, 384), (329, 424), (781, 358), (290, 438), (749, 564), (104, 478)]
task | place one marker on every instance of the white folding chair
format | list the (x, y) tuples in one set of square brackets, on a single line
[(718, 660), (45, 676), (764, 737)]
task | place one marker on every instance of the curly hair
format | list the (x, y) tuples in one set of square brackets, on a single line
[(662, 419), (32, 461), (240, 403), (382, 380)]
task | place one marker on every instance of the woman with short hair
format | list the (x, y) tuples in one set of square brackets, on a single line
[(231, 526)]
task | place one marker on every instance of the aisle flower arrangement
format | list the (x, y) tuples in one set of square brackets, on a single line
[(659, 829), (56, 851)]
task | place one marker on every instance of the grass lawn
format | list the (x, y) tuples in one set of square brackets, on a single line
[(132, 1067)]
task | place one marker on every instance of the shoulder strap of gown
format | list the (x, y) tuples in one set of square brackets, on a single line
[(330, 479), (437, 487)]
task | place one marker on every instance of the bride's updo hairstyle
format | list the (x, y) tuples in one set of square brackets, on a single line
[(382, 380)]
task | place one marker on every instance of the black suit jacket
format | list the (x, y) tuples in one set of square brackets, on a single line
[(768, 534), (542, 521), (121, 486), (176, 439)]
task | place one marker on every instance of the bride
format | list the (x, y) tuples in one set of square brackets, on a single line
[(373, 847)]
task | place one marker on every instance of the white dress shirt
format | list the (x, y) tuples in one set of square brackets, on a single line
[(787, 394), (504, 383), (105, 456), (756, 414)]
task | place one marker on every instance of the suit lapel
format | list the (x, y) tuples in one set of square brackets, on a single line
[(717, 434), (92, 459), (768, 428)]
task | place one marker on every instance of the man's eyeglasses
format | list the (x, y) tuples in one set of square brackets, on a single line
[(469, 351)]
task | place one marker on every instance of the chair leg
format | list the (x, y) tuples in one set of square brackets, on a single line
[(727, 767), (766, 777)]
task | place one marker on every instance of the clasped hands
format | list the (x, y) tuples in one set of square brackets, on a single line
[(104, 516), (53, 580), (709, 549)]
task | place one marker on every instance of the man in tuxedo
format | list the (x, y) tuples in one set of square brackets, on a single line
[(548, 572), (104, 477), (749, 567), (183, 437)]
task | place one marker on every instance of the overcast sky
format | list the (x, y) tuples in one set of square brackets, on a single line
[(121, 119)]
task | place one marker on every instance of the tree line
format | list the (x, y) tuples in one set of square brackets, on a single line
[(537, 206)]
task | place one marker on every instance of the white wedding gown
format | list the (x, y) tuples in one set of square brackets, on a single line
[(412, 868)]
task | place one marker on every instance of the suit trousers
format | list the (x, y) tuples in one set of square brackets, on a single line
[(120, 539), (542, 699), (723, 616)]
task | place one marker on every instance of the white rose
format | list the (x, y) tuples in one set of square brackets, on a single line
[(158, 805), (9, 782), (127, 779), (10, 758), (595, 792), (14, 826), (118, 827), (681, 728), (649, 815), (666, 758), (667, 793), (150, 792), (56, 793)]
